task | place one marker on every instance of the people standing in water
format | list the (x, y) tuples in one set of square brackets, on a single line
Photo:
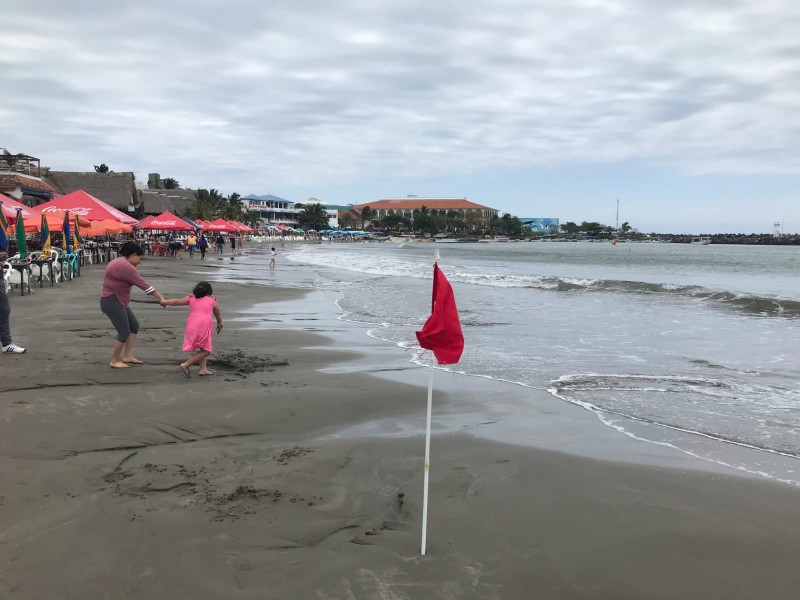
[(119, 277), (219, 242), (198, 335), (232, 240), (272, 258)]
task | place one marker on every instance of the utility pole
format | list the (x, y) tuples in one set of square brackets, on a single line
[(617, 215)]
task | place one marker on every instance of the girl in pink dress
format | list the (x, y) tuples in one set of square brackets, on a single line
[(198, 334)]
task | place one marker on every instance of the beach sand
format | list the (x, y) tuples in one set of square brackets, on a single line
[(140, 483)]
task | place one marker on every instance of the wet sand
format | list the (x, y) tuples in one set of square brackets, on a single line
[(140, 483)]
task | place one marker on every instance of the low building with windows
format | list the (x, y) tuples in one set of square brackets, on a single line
[(272, 210), (407, 206)]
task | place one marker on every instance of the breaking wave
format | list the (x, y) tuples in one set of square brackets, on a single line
[(762, 305)]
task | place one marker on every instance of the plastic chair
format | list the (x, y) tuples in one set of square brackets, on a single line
[(57, 266), (19, 276), (6, 276)]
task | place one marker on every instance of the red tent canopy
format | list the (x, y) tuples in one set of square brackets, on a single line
[(165, 221), (106, 227), (242, 227), (10, 207), (219, 225), (55, 222), (87, 206), (235, 226)]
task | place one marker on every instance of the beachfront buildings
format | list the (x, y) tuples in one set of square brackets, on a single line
[(272, 210), (23, 179), (442, 205)]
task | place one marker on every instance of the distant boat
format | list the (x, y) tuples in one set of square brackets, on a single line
[(703, 241)]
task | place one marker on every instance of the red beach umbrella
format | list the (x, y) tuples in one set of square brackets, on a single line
[(87, 206)]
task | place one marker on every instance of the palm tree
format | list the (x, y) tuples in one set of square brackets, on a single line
[(570, 227), (170, 184), (206, 205), (367, 214), (313, 216), (472, 221), (626, 227), (231, 207), (347, 220)]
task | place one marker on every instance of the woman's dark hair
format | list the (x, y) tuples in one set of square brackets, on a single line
[(202, 289), (130, 248)]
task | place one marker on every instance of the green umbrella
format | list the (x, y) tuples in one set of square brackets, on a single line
[(23, 249)]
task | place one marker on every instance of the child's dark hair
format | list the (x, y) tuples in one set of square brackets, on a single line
[(129, 248), (202, 289)]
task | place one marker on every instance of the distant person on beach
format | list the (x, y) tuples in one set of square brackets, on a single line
[(198, 335), (202, 243), (9, 347), (239, 240), (272, 256), (120, 276), (219, 242), (191, 244), (232, 240), (177, 249)]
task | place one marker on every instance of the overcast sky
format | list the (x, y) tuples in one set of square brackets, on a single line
[(688, 112)]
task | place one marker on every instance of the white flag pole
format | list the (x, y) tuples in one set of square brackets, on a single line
[(427, 459), (427, 450)]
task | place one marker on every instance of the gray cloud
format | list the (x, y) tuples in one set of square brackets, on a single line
[(253, 95)]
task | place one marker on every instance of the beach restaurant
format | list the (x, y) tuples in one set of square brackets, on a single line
[(80, 223)]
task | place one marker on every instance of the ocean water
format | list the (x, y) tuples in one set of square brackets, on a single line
[(693, 347)]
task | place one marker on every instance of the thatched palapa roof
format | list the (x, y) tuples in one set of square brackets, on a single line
[(116, 189), (158, 201)]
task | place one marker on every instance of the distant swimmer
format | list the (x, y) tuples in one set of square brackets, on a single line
[(272, 258)]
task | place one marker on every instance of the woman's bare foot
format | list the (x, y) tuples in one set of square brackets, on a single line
[(132, 360), (204, 373), (118, 364)]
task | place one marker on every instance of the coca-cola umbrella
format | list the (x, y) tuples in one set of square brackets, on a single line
[(106, 227), (87, 206), (219, 225), (166, 221), (10, 206), (55, 222)]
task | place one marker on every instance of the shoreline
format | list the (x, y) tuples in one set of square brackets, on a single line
[(139, 482)]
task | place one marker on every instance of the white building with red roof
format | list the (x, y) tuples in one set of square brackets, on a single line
[(407, 205)]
